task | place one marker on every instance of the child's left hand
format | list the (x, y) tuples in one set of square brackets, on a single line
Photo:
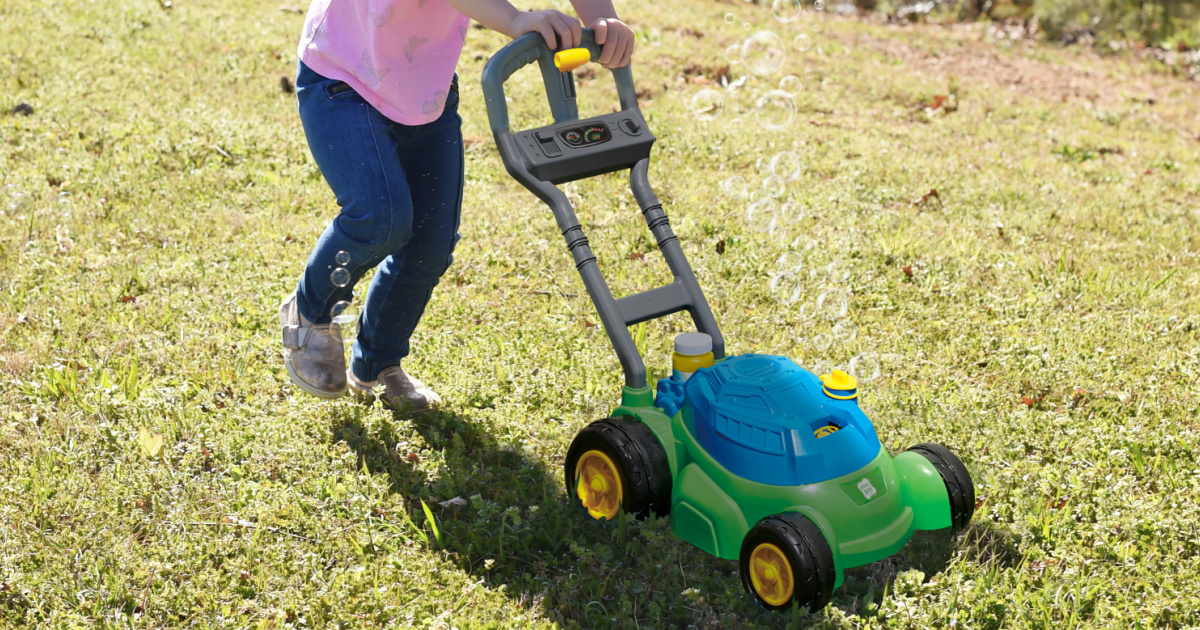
[(616, 41)]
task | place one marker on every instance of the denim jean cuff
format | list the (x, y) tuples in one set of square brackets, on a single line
[(302, 306), (367, 371)]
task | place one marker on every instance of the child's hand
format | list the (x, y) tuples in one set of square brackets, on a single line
[(549, 23), (617, 40)]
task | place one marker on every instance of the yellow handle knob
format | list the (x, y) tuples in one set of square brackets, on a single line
[(568, 60)]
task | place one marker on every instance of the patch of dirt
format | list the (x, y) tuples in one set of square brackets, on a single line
[(973, 59), (14, 363)]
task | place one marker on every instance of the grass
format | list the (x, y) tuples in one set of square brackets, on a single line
[(1038, 315)]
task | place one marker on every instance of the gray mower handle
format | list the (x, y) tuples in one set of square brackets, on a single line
[(531, 47)]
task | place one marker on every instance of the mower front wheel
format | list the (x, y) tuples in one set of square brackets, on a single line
[(785, 558), (618, 463)]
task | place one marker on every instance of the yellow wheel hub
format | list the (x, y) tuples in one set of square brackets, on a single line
[(771, 575), (598, 484)]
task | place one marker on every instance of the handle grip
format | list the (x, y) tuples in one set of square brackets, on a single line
[(532, 47)]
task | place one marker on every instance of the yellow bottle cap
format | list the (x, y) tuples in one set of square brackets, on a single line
[(840, 385), (839, 380), (568, 60)]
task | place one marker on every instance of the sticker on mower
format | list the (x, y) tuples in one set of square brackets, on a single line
[(865, 488)]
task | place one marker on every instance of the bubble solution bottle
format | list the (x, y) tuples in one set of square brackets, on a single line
[(692, 352)]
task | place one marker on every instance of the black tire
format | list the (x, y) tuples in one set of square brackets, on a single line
[(959, 486), (640, 460), (807, 552)]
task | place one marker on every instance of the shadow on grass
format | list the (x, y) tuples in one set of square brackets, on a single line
[(517, 529), (931, 553)]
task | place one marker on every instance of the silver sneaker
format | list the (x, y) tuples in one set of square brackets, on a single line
[(313, 353), (399, 390)]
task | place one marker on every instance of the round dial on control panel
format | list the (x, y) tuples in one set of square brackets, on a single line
[(573, 137), (595, 133)]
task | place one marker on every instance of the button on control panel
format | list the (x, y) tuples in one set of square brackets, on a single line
[(546, 140)]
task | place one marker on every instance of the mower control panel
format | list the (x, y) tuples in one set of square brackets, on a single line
[(584, 136), (577, 149)]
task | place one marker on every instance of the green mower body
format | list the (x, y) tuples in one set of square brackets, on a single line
[(755, 458)]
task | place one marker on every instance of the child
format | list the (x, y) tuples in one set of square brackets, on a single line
[(378, 97)]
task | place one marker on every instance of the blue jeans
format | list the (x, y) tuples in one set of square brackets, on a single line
[(400, 192)]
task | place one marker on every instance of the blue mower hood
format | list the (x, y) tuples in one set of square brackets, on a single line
[(757, 416)]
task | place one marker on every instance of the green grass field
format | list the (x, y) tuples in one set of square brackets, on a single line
[(1038, 315)]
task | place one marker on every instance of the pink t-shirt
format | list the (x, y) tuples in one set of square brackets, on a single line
[(398, 54)]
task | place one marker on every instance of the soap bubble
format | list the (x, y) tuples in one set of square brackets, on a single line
[(818, 274), (802, 42), (18, 201), (805, 243), (845, 331), (730, 18), (790, 212), (63, 200), (819, 5), (775, 110), (763, 164), (822, 341), (785, 287), (790, 261), (348, 326), (839, 271), (734, 53), (763, 53), (823, 367), (340, 277), (760, 216), (14, 199), (707, 104), (342, 258), (790, 84), (786, 165), (786, 10), (816, 28), (833, 304), (807, 311), (746, 26), (772, 186), (735, 124), (345, 317), (734, 187), (865, 367)]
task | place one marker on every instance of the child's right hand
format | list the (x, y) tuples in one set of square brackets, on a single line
[(549, 23)]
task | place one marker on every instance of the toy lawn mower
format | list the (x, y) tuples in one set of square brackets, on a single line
[(754, 458)]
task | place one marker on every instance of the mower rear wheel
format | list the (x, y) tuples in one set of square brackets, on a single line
[(959, 486), (618, 463), (785, 558)]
